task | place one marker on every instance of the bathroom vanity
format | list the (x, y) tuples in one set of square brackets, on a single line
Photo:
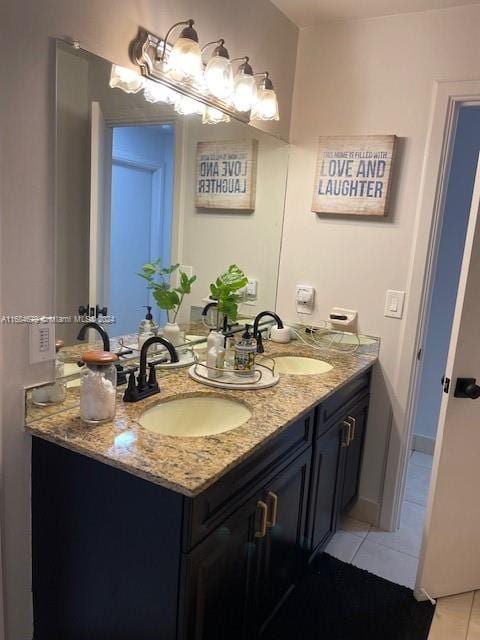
[(137, 535)]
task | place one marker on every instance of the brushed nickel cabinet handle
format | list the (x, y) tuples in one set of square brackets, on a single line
[(263, 522), (274, 499)]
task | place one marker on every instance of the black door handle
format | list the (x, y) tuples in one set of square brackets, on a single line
[(467, 388)]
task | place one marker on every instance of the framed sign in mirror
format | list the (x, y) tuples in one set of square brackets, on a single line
[(226, 175)]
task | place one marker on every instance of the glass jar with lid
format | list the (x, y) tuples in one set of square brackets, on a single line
[(52, 393), (98, 387)]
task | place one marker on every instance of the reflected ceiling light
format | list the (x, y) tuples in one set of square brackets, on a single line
[(218, 72), (244, 87), (214, 116), (184, 61), (266, 103), (186, 106), (125, 79), (156, 92)]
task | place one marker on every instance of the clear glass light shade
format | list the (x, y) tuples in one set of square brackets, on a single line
[(186, 106), (244, 91), (155, 92), (125, 79), (266, 105), (219, 77), (214, 116), (185, 60)]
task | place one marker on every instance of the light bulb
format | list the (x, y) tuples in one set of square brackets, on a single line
[(244, 92), (266, 105), (185, 60), (185, 106), (155, 92), (125, 79), (214, 116), (219, 77)]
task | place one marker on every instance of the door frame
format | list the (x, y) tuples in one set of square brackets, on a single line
[(447, 99)]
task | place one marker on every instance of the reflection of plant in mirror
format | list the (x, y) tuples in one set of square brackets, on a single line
[(167, 298), (225, 290)]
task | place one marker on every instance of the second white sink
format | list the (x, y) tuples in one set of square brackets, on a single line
[(297, 365), (195, 416)]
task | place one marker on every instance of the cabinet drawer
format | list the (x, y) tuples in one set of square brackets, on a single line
[(206, 511), (332, 407)]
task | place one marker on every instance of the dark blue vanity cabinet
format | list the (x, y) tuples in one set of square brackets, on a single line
[(116, 557)]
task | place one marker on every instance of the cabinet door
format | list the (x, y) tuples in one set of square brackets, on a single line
[(353, 454), (326, 478), (283, 550), (218, 577)]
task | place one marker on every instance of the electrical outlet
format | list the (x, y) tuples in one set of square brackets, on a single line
[(252, 288), (42, 342), (305, 298)]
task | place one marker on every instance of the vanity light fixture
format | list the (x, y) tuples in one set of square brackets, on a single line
[(211, 89), (186, 106), (266, 103), (244, 86), (218, 72), (126, 79), (184, 61), (214, 116), (156, 92)]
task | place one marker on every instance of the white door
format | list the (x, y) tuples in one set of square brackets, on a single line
[(450, 556), (100, 188)]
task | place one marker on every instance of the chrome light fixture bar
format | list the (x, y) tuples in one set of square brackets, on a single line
[(151, 53), (180, 67)]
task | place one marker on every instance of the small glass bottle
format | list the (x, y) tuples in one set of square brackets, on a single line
[(245, 352), (52, 393), (98, 387)]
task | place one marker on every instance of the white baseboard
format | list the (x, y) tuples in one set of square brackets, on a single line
[(366, 511), (424, 444)]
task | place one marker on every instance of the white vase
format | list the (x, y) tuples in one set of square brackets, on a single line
[(173, 334)]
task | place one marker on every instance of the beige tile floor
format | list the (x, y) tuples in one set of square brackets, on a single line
[(391, 555), (457, 618)]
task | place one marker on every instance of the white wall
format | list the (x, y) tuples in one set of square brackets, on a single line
[(212, 240), (27, 265), (368, 77)]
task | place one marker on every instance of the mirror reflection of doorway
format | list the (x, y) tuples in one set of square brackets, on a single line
[(140, 218)]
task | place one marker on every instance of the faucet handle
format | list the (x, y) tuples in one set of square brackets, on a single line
[(260, 347), (152, 377)]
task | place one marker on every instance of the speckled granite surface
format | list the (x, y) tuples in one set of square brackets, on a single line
[(190, 465)]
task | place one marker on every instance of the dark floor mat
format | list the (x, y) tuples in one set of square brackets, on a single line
[(337, 601)]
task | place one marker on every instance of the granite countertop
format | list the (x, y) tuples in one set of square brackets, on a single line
[(189, 465)]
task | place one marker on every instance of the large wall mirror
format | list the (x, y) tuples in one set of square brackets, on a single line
[(127, 182)]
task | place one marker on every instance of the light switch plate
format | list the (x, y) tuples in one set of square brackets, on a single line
[(42, 342), (394, 303)]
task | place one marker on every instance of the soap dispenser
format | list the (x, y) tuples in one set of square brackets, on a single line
[(147, 328), (245, 351)]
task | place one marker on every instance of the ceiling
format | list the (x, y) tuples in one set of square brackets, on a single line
[(306, 13)]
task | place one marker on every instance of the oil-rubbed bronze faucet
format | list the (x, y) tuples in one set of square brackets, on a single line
[(99, 329), (141, 388), (258, 334)]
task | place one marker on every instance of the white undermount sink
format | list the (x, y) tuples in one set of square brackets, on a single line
[(300, 366), (195, 416)]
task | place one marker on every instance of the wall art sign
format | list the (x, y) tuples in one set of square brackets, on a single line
[(226, 175), (353, 175)]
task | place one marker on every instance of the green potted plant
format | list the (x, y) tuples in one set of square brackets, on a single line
[(167, 297), (225, 290)]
